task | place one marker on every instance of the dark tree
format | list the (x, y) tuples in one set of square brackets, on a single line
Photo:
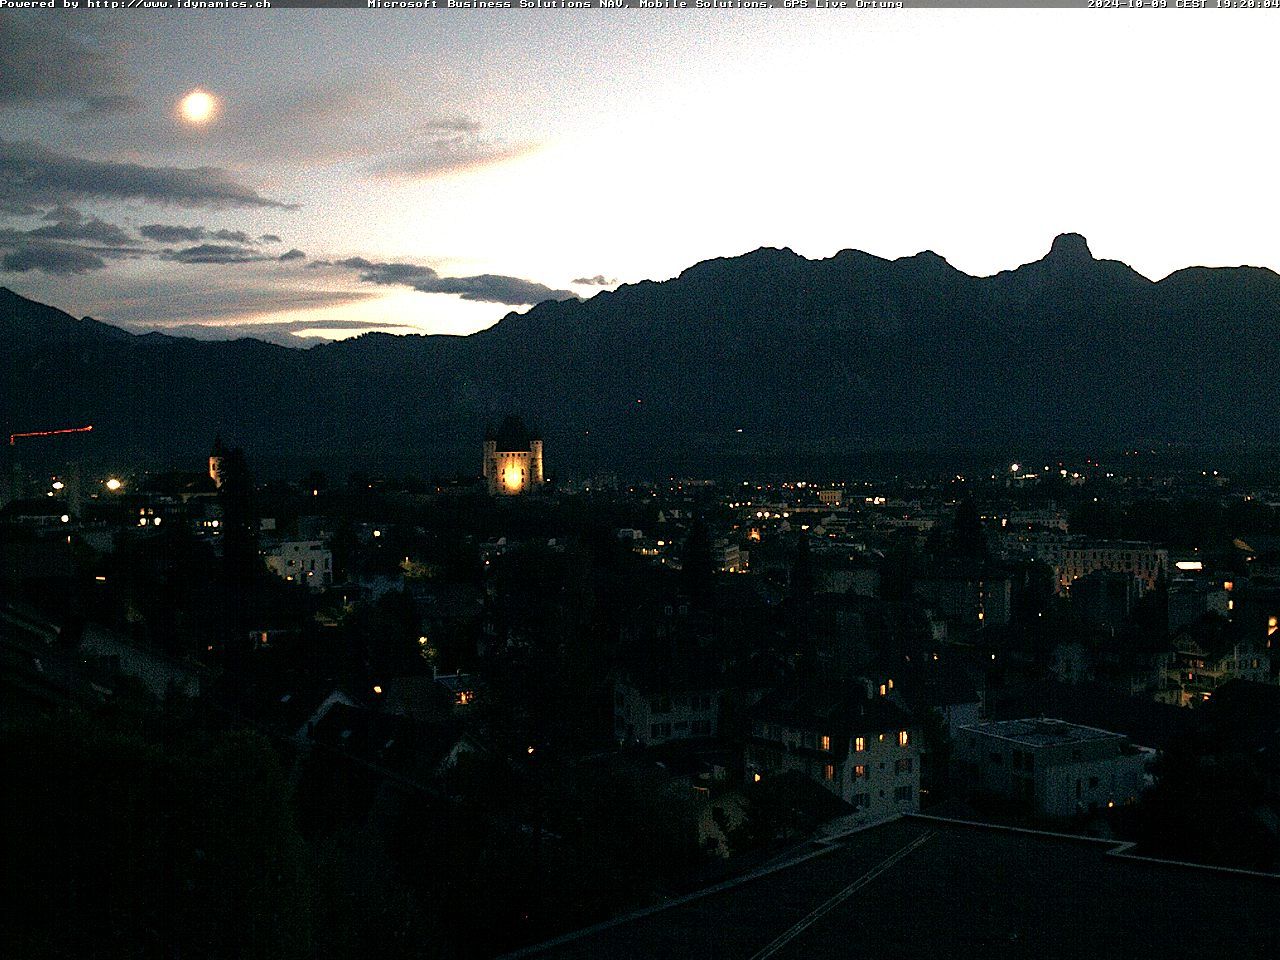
[(698, 565), (968, 540)]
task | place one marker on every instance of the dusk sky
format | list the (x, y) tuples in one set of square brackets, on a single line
[(430, 172)]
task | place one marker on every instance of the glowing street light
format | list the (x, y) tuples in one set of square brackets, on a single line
[(113, 484)]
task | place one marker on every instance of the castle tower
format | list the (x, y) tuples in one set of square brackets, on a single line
[(535, 460), (512, 459), (217, 461)]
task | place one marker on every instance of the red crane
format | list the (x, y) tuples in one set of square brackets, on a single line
[(13, 437)]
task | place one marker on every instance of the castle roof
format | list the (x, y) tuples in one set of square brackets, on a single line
[(512, 435)]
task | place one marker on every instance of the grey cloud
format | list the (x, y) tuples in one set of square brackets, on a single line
[(171, 233), (232, 236), (51, 257), (107, 106), (294, 254), (490, 288), (187, 299), (93, 230), (455, 155), (449, 145), (268, 238), (63, 214), (599, 280), (388, 274), (43, 63), (485, 288), (72, 245), (451, 125), (31, 173), (214, 253), (283, 334)]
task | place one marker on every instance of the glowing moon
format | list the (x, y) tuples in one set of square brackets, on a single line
[(198, 107)]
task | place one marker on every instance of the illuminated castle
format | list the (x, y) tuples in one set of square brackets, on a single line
[(217, 461), (512, 458)]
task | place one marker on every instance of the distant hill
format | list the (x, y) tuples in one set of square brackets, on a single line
[(763, 357)]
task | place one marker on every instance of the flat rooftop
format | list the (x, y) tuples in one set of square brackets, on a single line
[(1041, 732), (918, 887)]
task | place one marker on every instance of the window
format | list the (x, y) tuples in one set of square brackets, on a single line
[(860, 772), (826, 742), (902, 794), (902, 738), (1093, 783), (859, 744), (903, 765), (828, 772)]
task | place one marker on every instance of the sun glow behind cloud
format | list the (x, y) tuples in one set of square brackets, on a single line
[(198, 107)]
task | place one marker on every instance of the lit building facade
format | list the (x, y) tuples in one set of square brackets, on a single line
[(512, 459), (1073, 559), (865, 750), (307, 562), (1201, 661)]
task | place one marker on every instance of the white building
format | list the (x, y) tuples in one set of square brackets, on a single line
[(727, 557), (1056, 769), (864, 750), (652, 716), (308, 562)]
